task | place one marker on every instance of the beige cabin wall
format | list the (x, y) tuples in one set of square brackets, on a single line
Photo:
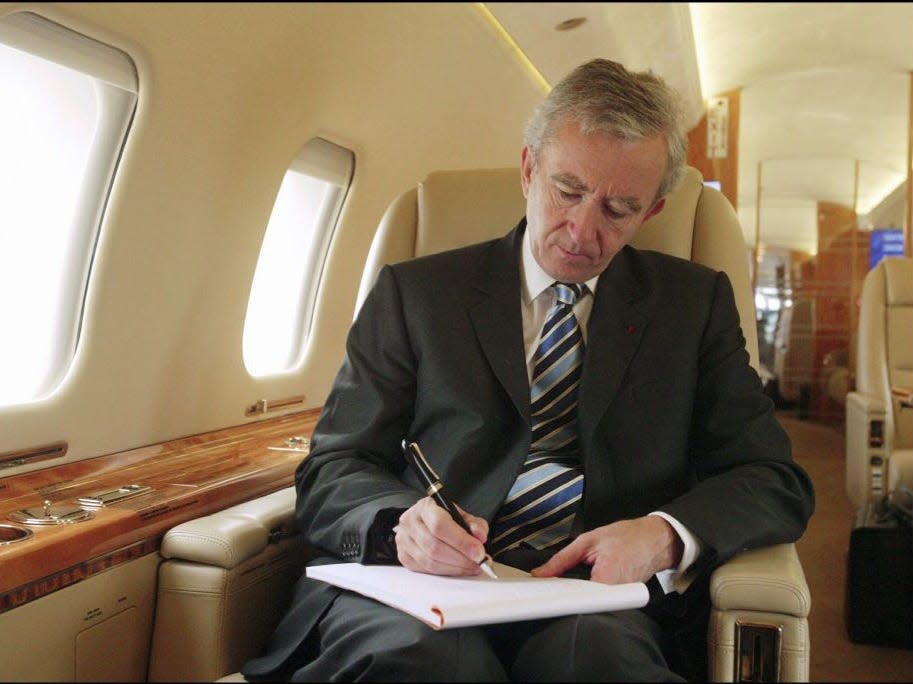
[(224, 107)]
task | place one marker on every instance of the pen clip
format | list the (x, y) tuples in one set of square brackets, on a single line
[(416, 452)]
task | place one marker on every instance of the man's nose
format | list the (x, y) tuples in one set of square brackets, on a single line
[(585, 221)]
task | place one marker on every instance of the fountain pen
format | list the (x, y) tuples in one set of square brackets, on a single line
[(435, 490)]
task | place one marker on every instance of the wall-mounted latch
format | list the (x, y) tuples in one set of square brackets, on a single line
[(11, 459), (267, 405)]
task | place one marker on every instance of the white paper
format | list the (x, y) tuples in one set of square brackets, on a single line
[(448, 602)]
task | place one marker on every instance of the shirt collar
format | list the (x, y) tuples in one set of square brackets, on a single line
[(535, 280)]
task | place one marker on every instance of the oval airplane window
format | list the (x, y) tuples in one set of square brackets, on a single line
[(294, 247), (66, 102)]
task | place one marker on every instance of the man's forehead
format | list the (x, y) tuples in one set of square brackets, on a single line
[(579, 160)]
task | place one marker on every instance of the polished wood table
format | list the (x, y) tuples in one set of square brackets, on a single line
[(187, 478)]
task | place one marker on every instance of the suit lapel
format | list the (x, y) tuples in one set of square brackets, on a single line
[(495, 314), (625, 301)]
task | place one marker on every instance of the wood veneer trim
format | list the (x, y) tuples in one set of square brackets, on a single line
[(75, 574), (191, 477)]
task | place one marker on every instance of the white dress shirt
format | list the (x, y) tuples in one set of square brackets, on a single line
[(537, 298)]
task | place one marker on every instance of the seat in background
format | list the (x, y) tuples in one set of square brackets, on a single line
[(794, 355), (879, 428)]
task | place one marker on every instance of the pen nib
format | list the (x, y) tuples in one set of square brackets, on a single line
[(485, 564)]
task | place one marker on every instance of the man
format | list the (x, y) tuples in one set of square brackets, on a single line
[(645, 410)]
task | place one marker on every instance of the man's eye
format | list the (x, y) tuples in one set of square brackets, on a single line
[(616, 212), (567, 195)]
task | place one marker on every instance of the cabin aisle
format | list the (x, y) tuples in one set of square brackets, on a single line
[(823, 551)]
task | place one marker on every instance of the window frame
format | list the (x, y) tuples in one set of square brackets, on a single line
[(323, 160), (115, 80)]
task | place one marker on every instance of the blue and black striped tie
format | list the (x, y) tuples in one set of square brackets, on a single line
[(541, 505)]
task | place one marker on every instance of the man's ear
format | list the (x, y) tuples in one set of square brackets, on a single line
[(526, 169), (656, 208)]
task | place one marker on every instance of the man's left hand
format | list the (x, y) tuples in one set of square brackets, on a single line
[(624, 551)]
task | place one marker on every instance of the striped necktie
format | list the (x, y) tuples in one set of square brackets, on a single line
[(541, 505)]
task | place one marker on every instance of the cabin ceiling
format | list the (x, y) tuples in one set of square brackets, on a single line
[(824, 90)]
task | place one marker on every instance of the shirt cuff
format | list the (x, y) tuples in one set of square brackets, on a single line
[(669, 579), (381, 541)]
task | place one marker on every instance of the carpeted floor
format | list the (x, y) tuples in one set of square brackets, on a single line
[(823, 551)]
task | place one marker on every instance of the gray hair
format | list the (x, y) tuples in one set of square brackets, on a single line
[(603, 96)]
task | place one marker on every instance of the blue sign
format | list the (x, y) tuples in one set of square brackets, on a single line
[(884, 242)]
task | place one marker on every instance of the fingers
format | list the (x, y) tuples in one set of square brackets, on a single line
[(428, 540), (624, 551), (479, 526), (563, 560)]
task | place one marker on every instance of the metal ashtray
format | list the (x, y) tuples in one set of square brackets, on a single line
[(50, 514), (10, 534)]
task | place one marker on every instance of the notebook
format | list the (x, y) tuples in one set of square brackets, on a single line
[(445, 602)]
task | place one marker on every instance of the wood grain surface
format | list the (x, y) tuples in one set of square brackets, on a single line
[(189, 477)]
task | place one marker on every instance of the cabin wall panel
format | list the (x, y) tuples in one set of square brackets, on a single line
[(228, 94), (66, 633)]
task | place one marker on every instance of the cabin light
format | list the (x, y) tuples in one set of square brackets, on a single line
[(531, 69), (569, 24)]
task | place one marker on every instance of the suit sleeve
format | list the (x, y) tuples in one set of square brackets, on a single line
[(353, 470), (748, 491)]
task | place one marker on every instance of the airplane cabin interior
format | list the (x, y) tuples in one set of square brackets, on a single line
[(196, 199)]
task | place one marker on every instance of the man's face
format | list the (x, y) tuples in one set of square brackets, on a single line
[(586, 196)]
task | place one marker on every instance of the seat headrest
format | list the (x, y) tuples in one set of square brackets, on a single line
[(457, 208), (451, 209)]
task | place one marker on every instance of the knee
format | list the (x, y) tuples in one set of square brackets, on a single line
[(424, 655), (613, 651), (607, 647)]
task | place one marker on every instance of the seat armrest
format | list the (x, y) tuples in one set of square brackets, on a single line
[(864, 404), (233, 535), (224, 583), (769, 579), (867, 447), (758, 628)]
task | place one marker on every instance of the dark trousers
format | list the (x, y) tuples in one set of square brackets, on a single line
[(359, 639)]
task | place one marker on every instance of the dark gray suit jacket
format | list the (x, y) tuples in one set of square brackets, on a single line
[(671, 415)]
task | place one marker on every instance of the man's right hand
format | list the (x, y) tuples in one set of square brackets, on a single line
[(428, 540)]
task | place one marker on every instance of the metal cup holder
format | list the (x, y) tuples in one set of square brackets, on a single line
[(10, 534), (50, 514)]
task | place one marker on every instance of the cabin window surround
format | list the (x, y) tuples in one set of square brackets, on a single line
[(292, 255), (67, 102)]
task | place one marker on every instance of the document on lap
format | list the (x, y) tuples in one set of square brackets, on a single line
[(445, 602)]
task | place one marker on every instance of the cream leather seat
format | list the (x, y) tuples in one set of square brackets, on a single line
[(760, 599), (225, 582), (759, 628), (879, 429)]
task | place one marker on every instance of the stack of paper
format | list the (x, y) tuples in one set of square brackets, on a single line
[(448, 602)]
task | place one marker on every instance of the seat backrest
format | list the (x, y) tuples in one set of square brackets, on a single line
[(884, 352), (455, 208)]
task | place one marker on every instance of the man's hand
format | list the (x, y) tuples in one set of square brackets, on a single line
[(428, 540), (625, 551)]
